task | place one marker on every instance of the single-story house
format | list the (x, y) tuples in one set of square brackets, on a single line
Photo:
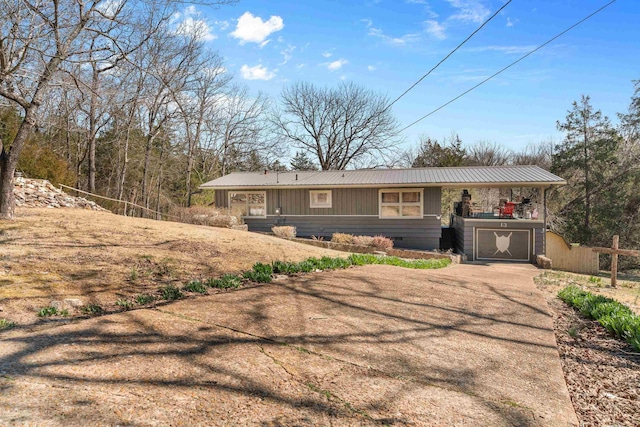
[(402, 204)]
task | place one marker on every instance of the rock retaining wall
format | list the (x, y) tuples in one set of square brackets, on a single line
[(40, 193)]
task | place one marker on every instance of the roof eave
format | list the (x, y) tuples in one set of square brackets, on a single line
[(387, 185)]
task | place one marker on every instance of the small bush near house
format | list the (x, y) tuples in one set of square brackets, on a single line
[(195, 286), (284, 231), (260, 273), (206, 215), (228, 281), (420, 264), (342, 238), (615, 317), (170, 293), (363, 240), (382, 243)]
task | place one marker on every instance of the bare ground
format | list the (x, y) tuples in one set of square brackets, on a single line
[(99, 257)]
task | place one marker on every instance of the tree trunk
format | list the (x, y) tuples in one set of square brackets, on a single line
[(7, 205), (92, 128), (9, 161)]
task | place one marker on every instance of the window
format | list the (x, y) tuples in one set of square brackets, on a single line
[(320, 198), (400, 203), (248, 203)]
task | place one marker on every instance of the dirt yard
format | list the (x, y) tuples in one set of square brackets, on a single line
[(376, 345), (99, 257)]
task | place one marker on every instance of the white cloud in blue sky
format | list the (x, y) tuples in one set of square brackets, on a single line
[(435, 29), (257, 72), (189, 22), (337, 64), (252, 29)]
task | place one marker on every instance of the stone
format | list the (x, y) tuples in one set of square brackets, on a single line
[(41, 193), (73, 302), (544, 262)]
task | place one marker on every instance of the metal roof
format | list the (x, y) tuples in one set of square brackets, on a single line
[(472, 176)]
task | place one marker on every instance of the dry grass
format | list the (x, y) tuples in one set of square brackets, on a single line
[(100, 257), (206, 215), (342, 238), (284, 231)]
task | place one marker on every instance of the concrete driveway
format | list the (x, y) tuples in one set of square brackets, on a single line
[(466, 345)]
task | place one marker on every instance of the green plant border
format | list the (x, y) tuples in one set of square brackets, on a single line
[(617, 318)]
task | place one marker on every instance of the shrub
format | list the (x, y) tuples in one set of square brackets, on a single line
[(260, 273), (124, 304), (615, 317), (6, 324), (421, 264), (143, 299), (52, 311), (382, 243), (206, 215), (92, 309), (285, 231), (170, 293), (363, 240), (342, 238), (285, 267), (228, 281), (195, 286)]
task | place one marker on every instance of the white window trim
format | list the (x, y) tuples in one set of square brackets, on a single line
[(400, 190), (264, 193), (320, 205)]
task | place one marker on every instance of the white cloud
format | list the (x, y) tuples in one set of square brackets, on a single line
[(343, 77), (222, 24), (469, 10), (257, 72), (509, 50), (110, 7), (253, 29), (371, 67), (327, 54), (398, 41), (192, 25), (336, 65), (511, 22), (435, 29), (195, 27), (299, 66), (287, 53)]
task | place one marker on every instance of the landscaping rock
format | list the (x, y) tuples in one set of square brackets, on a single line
[(544, 262), (40, 193), (73, 302)]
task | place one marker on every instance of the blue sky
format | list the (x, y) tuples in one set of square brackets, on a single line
[(386, 45)]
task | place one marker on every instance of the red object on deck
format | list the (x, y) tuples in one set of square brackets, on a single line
[(507, 210)]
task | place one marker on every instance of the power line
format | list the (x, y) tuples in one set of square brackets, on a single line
[(509, 66), (450, 53)]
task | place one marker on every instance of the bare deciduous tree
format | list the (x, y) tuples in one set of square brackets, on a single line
[(337, 126), (486, 153)]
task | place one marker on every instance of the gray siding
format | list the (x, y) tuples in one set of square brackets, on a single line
[(408, 233), (345, 201), (353, 211)]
